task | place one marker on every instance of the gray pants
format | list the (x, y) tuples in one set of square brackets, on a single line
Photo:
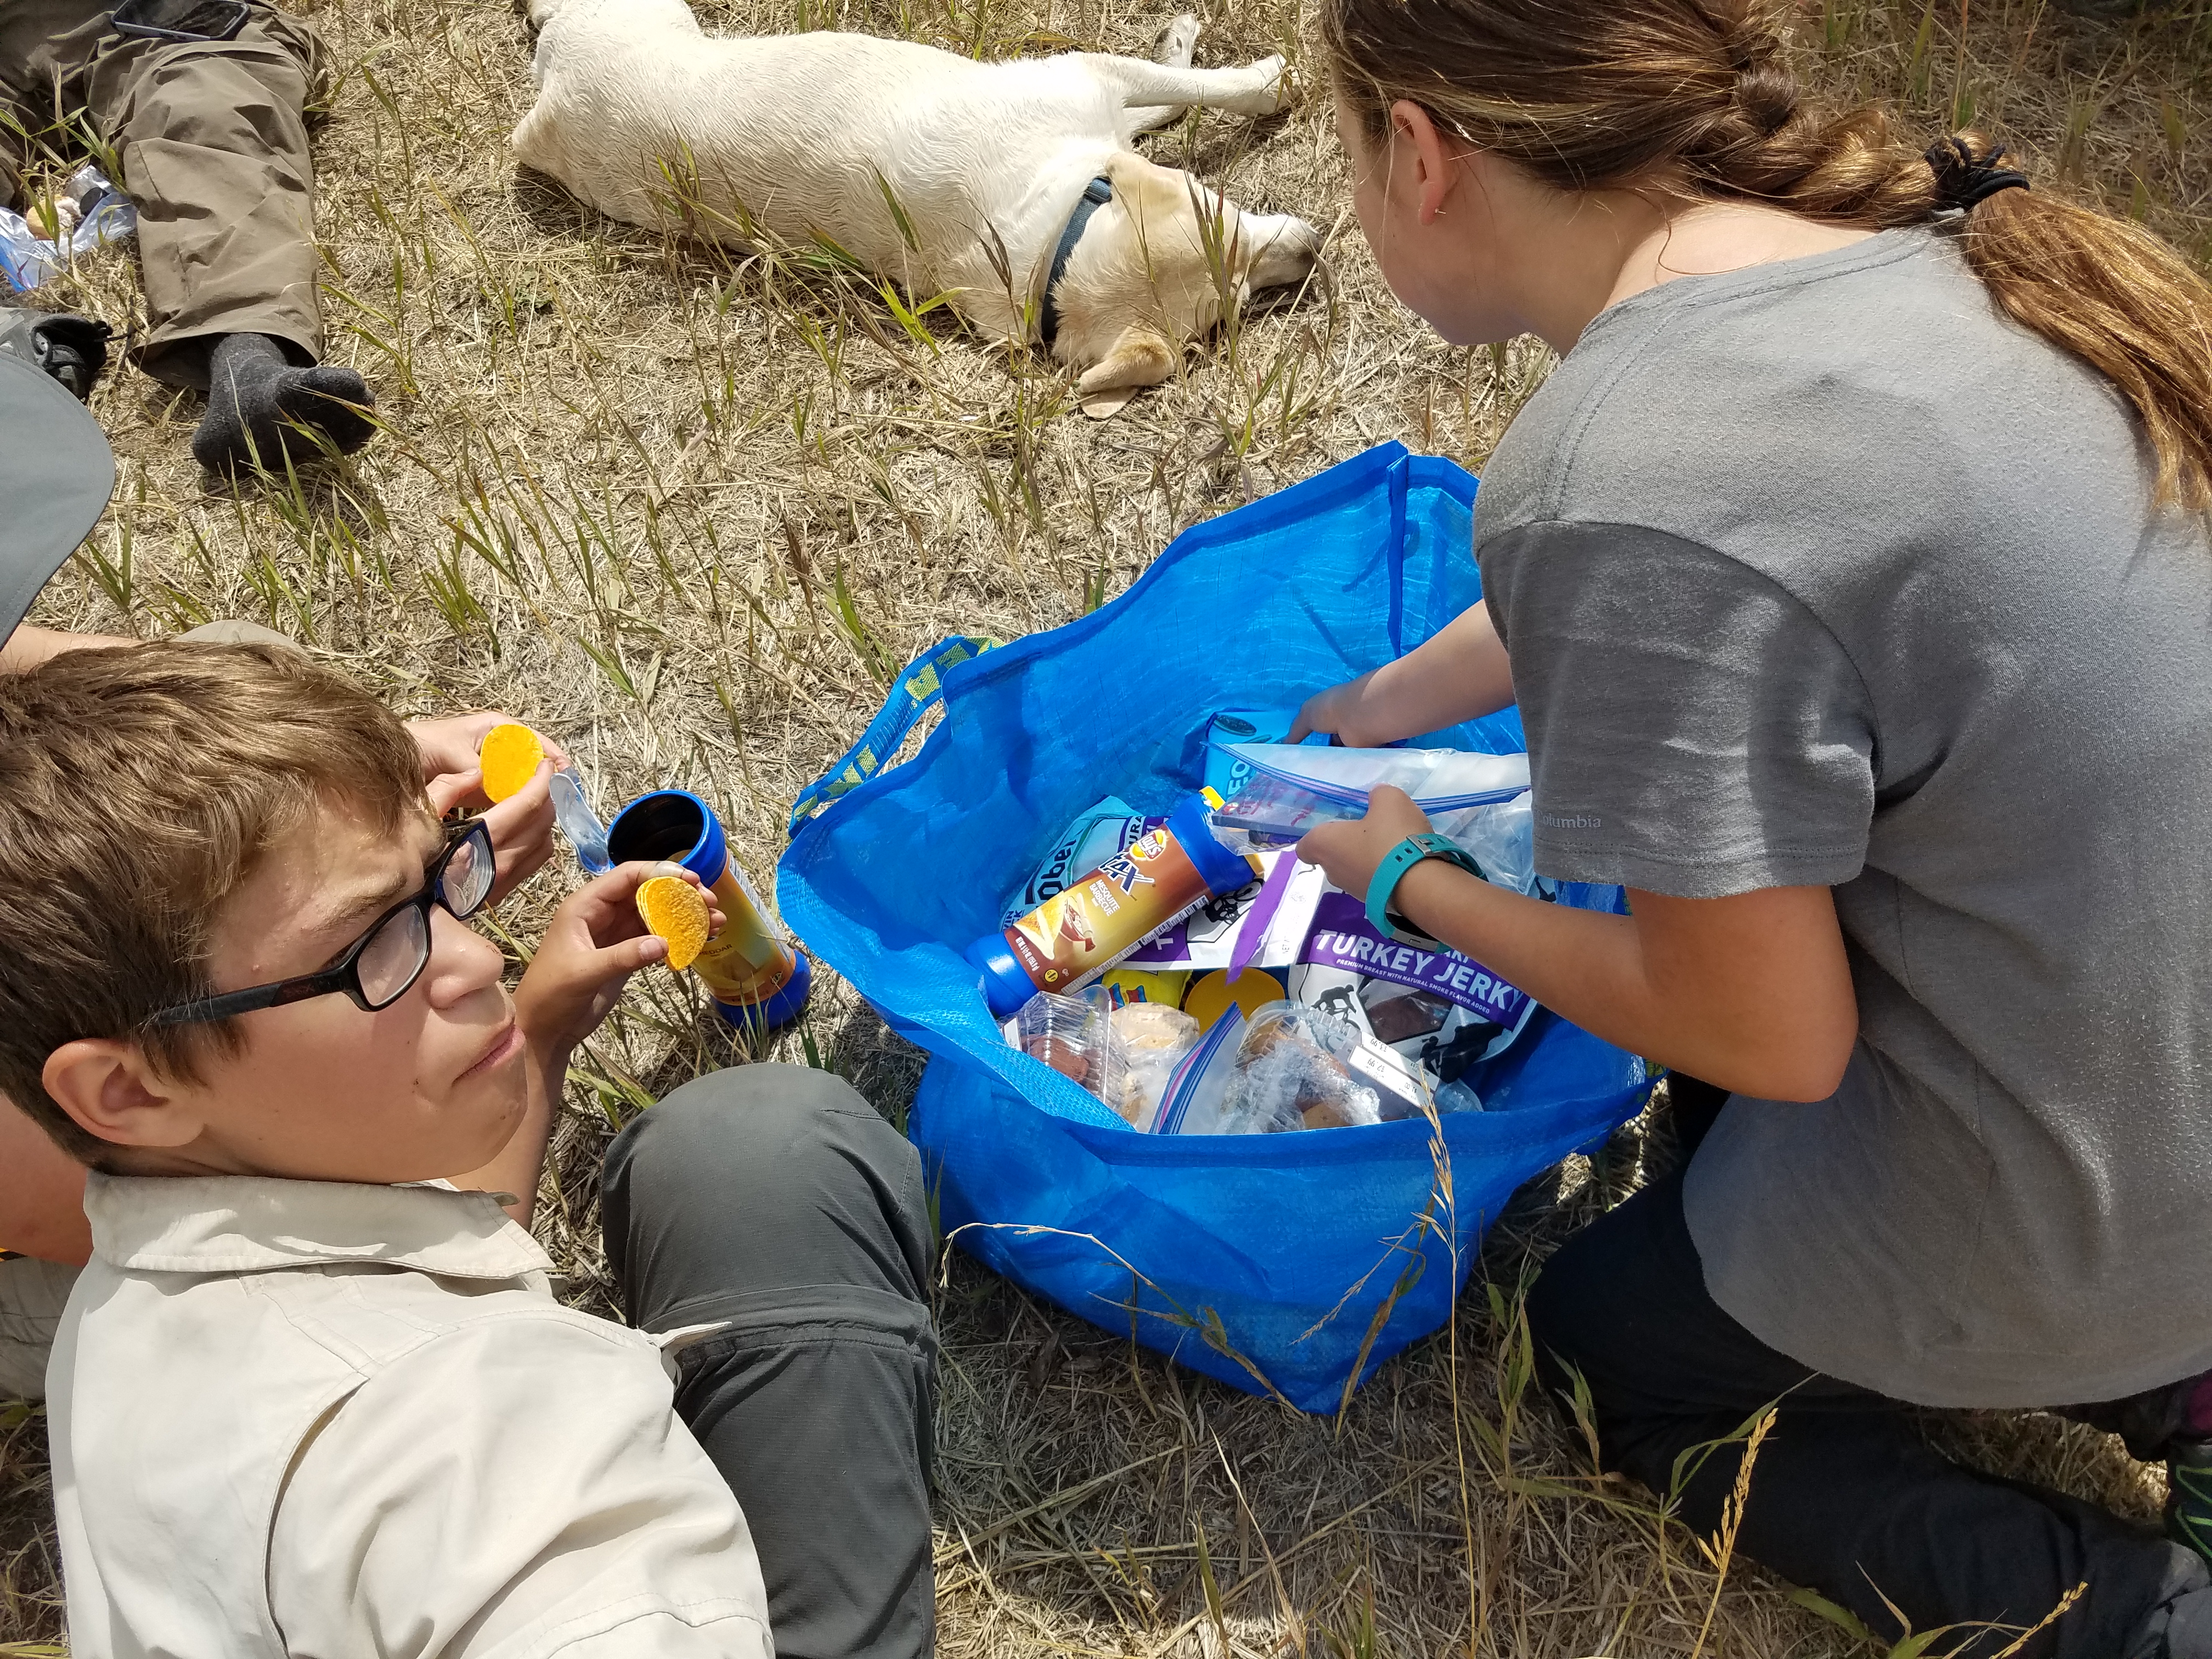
[(775, 1198), (32, 1294)]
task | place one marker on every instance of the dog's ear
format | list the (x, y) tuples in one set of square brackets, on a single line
[(1142, 356)]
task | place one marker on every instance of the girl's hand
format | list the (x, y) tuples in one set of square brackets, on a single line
[(594, 943), (521, 826), (1336, 711), (1461, 673), (1350, 849)]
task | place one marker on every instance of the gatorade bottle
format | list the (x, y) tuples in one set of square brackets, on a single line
[(759, 981), (1080, 932)]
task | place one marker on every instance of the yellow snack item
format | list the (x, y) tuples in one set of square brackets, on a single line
[(508, 756), (677, 911), (1214, 996), (1164, 984)]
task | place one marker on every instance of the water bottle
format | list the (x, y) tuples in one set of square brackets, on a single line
[(1101, 916), (759, 982)]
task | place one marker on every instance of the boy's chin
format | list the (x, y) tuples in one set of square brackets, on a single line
[(475, 1124), (501, 1100)]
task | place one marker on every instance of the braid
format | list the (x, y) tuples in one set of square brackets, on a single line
[(1768, 144)]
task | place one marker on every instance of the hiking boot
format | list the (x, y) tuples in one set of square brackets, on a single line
[(72, 350)]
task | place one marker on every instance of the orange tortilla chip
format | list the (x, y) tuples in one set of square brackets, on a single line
[(508, 756), (675, 910)]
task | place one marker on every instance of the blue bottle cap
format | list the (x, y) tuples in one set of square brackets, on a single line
[(1005, 986), (773, 1012), (1224, 871), (670, 825)]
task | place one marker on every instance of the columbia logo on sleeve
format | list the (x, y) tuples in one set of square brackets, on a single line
[(1570, 820)]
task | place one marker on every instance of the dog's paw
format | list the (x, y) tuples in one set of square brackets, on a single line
[(1270, 73), (1177, 42)]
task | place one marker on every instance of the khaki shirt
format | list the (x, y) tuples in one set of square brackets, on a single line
[(295, 1417)]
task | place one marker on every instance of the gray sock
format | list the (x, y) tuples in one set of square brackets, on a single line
[(257, 401)]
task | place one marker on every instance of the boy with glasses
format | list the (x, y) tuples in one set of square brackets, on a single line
[(56, 471), (313, 1395)]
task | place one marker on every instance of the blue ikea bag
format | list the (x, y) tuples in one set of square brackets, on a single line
[(1286, 1264)]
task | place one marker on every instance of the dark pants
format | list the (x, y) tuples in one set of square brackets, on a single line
[(1846, 1498), (774, 1198)]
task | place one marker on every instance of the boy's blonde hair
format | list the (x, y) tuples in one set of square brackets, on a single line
[(139, 787)]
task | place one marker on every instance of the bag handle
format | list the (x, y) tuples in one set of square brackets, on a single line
[(1401, 473), (918, 687)]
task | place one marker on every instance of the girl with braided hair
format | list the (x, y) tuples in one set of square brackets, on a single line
[(1855, 569)]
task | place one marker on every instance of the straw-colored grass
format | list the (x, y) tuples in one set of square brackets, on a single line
[(685, 508)]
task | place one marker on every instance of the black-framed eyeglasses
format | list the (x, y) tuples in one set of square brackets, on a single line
[(385, 962)]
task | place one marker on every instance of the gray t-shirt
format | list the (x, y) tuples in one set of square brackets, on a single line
[(1825, 572)]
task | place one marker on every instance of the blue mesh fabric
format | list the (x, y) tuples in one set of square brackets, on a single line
[(1294, 1263)]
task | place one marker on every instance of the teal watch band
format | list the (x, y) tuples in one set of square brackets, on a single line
[(1388, 874)]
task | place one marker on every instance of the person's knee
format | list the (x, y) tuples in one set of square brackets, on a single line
[(1558, 1308), (759, 1133), (245, 94), (763, 1177), (769, 1106)]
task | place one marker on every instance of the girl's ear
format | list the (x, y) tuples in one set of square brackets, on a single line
[(109, 1091), (1434, 157)]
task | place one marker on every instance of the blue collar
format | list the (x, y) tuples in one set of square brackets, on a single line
[(1095, 195)]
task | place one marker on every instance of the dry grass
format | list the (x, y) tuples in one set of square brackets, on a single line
[(685, 508)]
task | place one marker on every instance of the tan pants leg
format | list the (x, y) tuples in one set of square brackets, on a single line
[(214, 146), (32, 1296), (45, 48)]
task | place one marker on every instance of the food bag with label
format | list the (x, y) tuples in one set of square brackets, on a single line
[(1294, 787), (1446, 1011)]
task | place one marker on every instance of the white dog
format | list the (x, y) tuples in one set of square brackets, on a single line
[(1010, 187)]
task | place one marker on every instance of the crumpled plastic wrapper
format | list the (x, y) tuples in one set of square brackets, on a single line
[(1288, 1077), (1072, 1035), (1154, 1038)]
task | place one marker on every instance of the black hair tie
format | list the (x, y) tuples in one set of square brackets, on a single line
[(1961, 181)]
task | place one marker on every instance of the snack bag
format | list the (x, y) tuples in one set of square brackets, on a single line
[(1463, 1013), (1154, 1039), (1212, 934), (1294, 787), (1290, 1075), (1225, 772), (1192, 1103)]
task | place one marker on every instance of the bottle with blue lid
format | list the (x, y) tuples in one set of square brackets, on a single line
[(1100, 917), (759, 980)]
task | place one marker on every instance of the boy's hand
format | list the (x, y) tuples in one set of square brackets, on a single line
[(594, 943), (1350, 849), (522, 825), (1336, 711)]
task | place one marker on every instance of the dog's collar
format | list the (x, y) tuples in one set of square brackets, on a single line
[(1095, 195)]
